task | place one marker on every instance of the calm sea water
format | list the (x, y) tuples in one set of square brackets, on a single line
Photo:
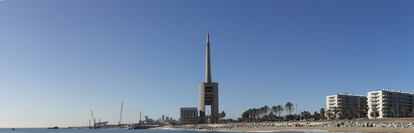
[(39, 130)]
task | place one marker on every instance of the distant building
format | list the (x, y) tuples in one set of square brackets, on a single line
[(346, 106), (386, 103), (188, 115)]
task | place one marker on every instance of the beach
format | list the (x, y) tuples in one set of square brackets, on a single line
[(336, 129), (361, 125), (316, 129)]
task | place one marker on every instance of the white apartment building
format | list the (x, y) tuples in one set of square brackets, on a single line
[(346, 105), (386, 103)]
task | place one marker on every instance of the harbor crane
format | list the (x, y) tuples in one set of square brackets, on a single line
[(93, 119), (120, 115)]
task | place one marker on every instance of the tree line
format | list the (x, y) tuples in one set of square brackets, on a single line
[(274, 113)]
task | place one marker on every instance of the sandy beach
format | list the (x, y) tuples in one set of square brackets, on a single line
[(361, 125), (335, 129)]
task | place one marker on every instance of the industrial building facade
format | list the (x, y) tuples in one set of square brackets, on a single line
[(208, 97), (188, 115)]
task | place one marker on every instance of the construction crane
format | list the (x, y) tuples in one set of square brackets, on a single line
[(120, 115), (93, 119)]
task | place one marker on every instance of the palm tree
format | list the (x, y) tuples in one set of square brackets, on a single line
[(404, 110), (330, 114), (335, 112), (412, 113), (260, 112), (265, 111), (289, 107), (362, 112), (279, 109), (246, 115), (273, 110), (316, 116), (253, 114), (222, 114), (365, 111), (393, 111), (322, 113), (256, 113), (345, 113), (374, 112), (359, 112)]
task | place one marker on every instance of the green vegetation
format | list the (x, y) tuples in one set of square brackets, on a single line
[(275, 114)]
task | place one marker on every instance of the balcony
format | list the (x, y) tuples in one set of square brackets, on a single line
[(374, 97), (375, 93), (374, 104)]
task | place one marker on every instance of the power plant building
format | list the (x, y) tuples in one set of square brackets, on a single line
[(188, 115), (209, 95)]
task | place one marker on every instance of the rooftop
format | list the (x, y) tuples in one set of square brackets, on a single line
[(391, 90), (349, 94), (188, 108)]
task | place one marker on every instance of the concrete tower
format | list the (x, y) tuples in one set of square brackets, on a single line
[(209, 90)]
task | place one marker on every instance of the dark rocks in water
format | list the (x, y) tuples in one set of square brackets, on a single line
[(53, 127)]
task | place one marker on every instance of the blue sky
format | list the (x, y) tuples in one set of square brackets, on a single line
[(60, 59)]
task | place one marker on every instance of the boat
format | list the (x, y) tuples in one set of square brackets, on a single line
[(133, 127)]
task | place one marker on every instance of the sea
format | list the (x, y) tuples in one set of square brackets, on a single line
[(118, 130)]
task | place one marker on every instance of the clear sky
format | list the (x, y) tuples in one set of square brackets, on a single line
[(61, 58)]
